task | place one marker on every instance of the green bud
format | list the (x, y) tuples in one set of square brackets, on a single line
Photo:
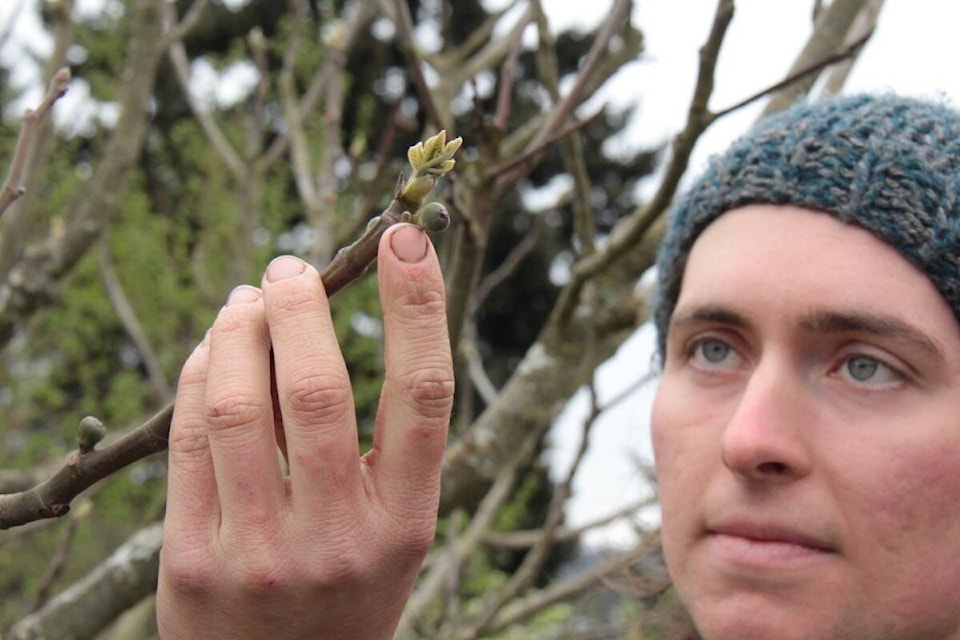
[(435, 155), (431, 217), (418, 188), (90, 432)]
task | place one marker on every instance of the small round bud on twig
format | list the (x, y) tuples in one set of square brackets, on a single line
[(90, 432), (432, 217)]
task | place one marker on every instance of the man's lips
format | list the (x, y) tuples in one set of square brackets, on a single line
[(766, 532), (765, 545)]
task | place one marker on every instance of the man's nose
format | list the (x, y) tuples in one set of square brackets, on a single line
[(764, 438)]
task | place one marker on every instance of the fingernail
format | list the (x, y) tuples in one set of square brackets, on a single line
[(285, 267), (409, 243), (243, 293)]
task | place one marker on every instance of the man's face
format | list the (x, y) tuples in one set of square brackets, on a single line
[(807, 435)]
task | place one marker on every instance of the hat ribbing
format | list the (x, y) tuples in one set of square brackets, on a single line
[(888, 164)]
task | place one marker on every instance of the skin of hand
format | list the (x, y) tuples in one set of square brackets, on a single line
[(331, 550)]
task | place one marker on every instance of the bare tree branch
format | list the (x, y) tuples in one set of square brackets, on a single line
[(432, 583), (524, 539), (91, 604), (32, 120), (571, 147), (829, 32), (177, 31), (59, 560), (616, 19), (845, 55), (555, 365), (128, 316), (404, 25), (864, 24), (525, 608), (346, 38), (181, 65)]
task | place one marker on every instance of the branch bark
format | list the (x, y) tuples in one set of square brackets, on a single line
[(829, 33), (33, 119), (90, 605)]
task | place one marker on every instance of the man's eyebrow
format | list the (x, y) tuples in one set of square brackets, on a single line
[(878, 325), (708, 314)]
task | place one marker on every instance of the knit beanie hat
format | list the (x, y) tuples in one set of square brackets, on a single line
[(888, 164)]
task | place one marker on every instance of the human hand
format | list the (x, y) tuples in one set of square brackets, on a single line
[(330, 551)]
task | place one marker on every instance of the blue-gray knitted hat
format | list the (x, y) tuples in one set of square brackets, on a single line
[(888, 164)]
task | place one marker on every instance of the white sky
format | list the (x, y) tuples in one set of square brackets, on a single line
[(914, 51)]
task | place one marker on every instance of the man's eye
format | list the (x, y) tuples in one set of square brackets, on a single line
[(712, 352), (865, 369)]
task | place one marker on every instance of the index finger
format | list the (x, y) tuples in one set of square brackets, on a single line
[(417, 395)]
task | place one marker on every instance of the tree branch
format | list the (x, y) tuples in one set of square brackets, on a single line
[(27, 142), (52, 498), (128, 317), (830, 31), (86, 608), (404, 25)]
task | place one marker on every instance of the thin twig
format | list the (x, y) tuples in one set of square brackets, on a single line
[(132, 325), (360, 15), (631, 230), (618, 16), (431, 584), (523, 609), (404, 24), (504, 99), (179, 30), (571, 147), (27, 142), (59, 560), (528, 158), (526, 538), (181, 66), (700, 117), (844, 54)]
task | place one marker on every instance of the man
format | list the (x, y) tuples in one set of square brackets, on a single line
[(807, 426)]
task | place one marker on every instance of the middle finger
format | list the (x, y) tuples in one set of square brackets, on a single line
[(240, 412)]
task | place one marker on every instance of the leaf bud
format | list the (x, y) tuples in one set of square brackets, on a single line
[(90, 432), (432, 216)]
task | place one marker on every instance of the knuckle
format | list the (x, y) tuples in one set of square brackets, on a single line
[(422, 302), (193, 374), (322, 396), (233, 319), (295, 301), (235, 410), (188, 442), (259, 573), (419, 539), (192, 377), (430, 391), (189, 574)]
